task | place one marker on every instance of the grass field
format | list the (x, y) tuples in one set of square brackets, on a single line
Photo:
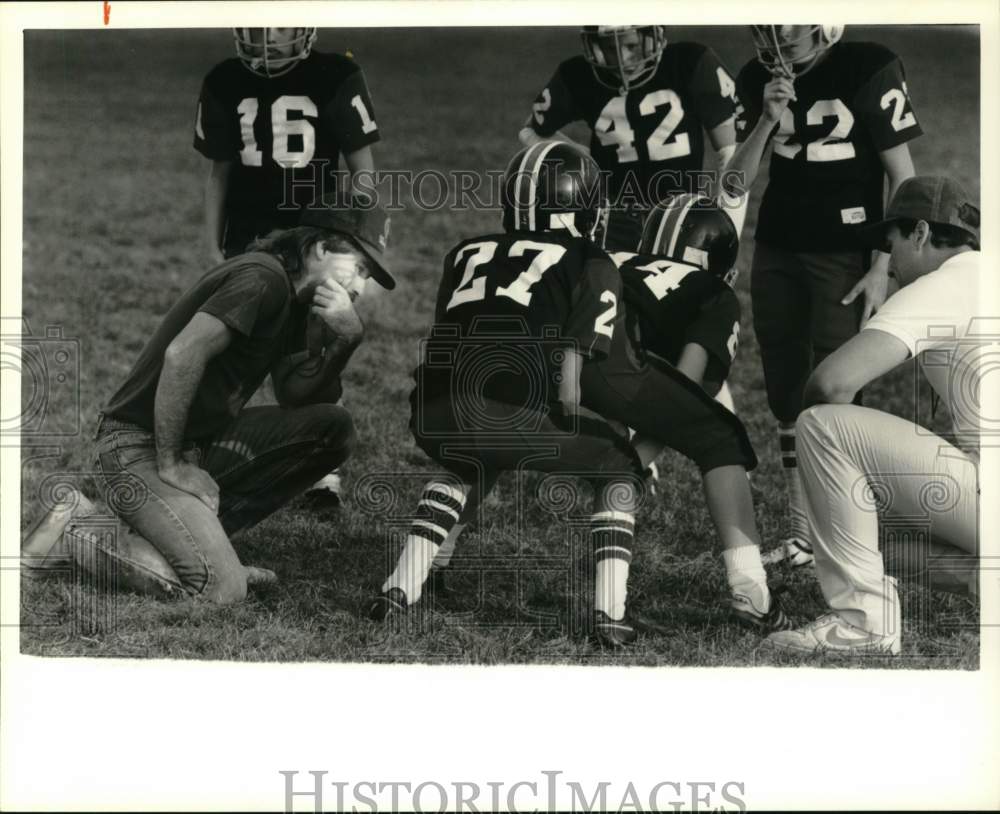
[(112, 213)]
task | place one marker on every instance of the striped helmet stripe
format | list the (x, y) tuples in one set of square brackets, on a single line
[(537, 155), (678, 221)]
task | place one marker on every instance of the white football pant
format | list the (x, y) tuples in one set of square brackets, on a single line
[(852, 458)]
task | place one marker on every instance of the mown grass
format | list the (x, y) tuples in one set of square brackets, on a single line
[(112, 236)]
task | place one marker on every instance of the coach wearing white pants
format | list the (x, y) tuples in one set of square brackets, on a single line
[(856, 461)]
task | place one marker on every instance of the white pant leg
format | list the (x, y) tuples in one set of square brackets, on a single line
[(847, 454)]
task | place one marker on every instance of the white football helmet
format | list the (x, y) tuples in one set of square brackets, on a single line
[(623, 56), (784, 55), (266, 55)]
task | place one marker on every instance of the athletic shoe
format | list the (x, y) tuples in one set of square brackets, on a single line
[(793, 550), (652, 479), (744, 612), (326, 491), (43, 551), (834, 634), (390, 603), (611, 634), (257, 576)]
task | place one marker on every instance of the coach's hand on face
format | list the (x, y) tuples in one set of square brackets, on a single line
[(190, 478), (777, 94), (334, 305)]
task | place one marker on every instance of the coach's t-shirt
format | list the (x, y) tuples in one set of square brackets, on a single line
[(942, 320), (253, 296)]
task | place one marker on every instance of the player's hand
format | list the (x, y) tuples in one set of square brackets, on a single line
[(332, 303), (191, 479), (873, 286), (777, 94)]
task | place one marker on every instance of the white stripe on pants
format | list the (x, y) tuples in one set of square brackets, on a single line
[(845, 455)]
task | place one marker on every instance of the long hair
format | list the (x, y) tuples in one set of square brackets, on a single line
[(291, 246)]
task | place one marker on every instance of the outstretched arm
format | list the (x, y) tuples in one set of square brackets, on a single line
[(184, 363)]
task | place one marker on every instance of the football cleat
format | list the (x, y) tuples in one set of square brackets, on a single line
[(43, 551), (744, 612), (611, 634), (831, 633), (390, 603), (325, 492), (793, 550)]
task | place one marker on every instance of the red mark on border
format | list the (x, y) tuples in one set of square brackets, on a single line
[(107, 12)]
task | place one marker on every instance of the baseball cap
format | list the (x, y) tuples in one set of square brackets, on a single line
[(364, 221), (931, 198)]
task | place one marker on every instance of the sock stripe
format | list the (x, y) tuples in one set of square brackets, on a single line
[(623, 517), (435, 505), (613, 552), (428, 531), (613, 530), (443, 493)]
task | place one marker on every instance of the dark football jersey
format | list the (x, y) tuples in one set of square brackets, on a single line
[(826, 174), (508, 306), (286, 133), (651, 139), (670, 304)]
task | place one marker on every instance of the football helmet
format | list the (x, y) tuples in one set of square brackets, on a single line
[(554, 185), (793, 56), (266, 57), (623, 56), (692, 229)]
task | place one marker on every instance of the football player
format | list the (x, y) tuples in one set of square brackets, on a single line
[(839, 117), (274, 122), (517, 314), (656, 400), (680, 304), (646, 103)]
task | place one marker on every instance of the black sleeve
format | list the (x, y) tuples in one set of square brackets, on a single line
[(597, 306), (250, 300), (716, 327), (216, 130), (554, 107), (748, 102)]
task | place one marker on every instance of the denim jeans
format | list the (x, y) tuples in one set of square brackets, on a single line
[(266, 457)]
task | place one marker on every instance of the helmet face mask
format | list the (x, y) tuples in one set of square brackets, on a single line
[(692, 229), (792, 53), (554, 186), (625, 56), (271, 52)]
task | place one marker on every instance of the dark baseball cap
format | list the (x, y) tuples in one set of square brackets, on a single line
[(931, 198), (364, 221)]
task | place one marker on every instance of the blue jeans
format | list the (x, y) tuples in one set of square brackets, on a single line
[(266, 457)]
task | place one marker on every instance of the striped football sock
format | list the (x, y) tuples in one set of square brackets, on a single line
[(797, 524), (438, 511), (612, 534)]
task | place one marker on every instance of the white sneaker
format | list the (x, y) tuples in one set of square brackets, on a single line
[(831, 633), (326, 489), (793, 550), (43, 551)]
